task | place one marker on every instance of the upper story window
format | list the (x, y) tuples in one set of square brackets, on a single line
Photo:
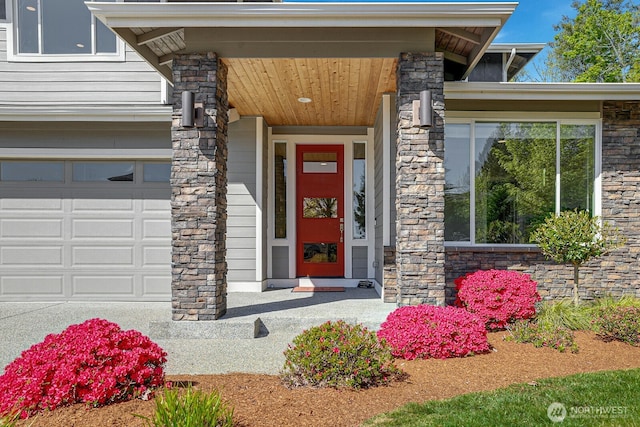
[(54, 27), (3, 10)]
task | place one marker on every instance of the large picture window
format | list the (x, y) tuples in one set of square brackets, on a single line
[(504, 178), (54, 27)]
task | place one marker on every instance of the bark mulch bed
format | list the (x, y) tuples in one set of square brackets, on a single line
[(261, 400)]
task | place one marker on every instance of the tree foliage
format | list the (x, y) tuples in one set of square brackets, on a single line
[(601, 44), (574, 237)]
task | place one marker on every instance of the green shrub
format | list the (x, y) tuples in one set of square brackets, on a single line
[(575, 237), (542, 335), (609, 301), (619, 323), (191, 408), (563, 314), (336, 354)]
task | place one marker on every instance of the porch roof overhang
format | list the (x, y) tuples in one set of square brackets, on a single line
[(342, 56)]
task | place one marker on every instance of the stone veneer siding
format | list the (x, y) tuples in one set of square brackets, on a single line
[(390, 291), (617, 273), (199, 191), (420, 183)]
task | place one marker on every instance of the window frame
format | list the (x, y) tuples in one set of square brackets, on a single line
[(7, 11), (559, 119), (13, 54)]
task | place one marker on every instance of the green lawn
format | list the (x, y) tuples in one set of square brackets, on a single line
[(594, 399)]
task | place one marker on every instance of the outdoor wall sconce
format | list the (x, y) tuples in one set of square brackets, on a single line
[(423, 110), (192, 112)]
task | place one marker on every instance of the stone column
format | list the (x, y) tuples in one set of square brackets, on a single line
[(420, 184), (199, 191)]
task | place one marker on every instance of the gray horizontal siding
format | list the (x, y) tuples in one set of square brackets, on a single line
[(75, 135), (3, 44), (241, 201), (131, 81)]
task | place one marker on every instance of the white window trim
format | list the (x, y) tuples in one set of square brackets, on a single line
[(14, 56), (562, 118)]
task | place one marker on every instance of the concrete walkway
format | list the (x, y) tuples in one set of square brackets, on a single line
[(279, 314)]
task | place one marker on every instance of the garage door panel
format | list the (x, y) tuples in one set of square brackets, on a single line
[(157, 205), (156, 228), (102, 255), (33, 256), (100, 285), (157, 285), (49, 202), (94, 204), (156, 256), (102, 228), (32, 285), (32, 228)]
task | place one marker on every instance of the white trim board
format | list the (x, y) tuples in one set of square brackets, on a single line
[(86, 113), (542, 91)]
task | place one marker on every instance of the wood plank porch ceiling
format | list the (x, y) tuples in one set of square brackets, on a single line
[(344, 91)]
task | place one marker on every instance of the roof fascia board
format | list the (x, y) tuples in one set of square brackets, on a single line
[(85, 113), (117, 14), (520, 47), (543, 91)]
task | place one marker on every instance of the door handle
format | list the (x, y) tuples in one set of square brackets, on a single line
[(341, 232)]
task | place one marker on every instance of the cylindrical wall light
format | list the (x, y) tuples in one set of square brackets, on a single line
[(187, 109), (426, 109)]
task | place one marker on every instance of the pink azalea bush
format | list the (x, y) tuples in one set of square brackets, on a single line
[(426, 331), (499, 297), (94, 362)]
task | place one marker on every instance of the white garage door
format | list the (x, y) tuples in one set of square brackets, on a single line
[(85, 230)]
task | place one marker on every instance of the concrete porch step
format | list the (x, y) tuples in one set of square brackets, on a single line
[(242, 328)]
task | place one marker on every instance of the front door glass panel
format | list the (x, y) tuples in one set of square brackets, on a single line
[(320, 207), (320, 252)]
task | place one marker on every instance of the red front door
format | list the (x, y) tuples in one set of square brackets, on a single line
[(320, 210)]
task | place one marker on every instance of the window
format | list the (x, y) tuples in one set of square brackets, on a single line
[(108, 171), (280, 184), (156, 172), (3, 10), (359, 190), (319, 162), (54, 27), (521, 172), (32, 171)]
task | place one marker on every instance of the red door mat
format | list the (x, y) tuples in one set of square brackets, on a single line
[(318, 289)]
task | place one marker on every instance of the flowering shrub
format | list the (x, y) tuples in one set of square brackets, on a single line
[(542, 335), (94, 362), (619, 323), (499, 297), (423, 331), (336, 354)]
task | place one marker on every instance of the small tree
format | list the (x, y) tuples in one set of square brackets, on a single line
[(574, 237)]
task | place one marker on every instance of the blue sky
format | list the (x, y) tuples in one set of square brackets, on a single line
[(532, 22)]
